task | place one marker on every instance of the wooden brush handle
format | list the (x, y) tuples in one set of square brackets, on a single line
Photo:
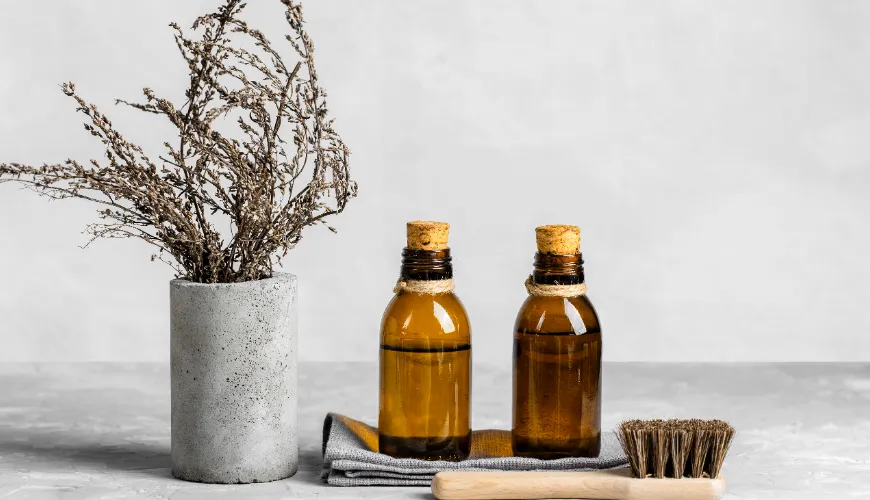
[(604, 485)]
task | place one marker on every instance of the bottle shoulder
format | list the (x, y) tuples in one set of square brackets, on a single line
[(557, 315), (411, 316)]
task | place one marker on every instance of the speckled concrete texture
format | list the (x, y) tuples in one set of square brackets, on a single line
[(234, 383), (101, 431)]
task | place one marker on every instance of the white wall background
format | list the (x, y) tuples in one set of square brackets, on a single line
[(716, 155)]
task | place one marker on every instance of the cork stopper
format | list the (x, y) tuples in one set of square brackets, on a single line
[(427, 235), (558, 239)]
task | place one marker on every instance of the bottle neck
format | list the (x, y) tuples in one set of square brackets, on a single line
[(426, 265), (558, 269)]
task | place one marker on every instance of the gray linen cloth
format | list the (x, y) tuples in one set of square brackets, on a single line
[(350, 457)]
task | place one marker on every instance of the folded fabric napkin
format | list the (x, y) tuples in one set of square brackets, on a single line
[(351, 458)]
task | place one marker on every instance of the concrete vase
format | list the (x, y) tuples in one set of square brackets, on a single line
[(234, 380)]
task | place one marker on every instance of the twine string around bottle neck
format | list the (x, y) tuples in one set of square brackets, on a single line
[(541, 290), (425, 287)]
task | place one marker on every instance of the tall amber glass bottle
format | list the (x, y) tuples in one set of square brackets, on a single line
[(425, 363), (557, 355)]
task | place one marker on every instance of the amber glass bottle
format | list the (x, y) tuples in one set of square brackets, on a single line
[(557, 355), (425, 362)]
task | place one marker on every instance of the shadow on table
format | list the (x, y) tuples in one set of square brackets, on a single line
[(310, 464), (131, 457), (152, 460)]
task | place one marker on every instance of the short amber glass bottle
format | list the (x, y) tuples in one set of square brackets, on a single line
[(557, 355), (425, 360)]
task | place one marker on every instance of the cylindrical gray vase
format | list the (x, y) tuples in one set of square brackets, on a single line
[(234, 380)]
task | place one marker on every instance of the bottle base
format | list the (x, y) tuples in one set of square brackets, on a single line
[(548, 449), (449, 448)]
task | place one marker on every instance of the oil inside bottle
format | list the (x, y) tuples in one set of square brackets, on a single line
[(429, 387), (557, 384)]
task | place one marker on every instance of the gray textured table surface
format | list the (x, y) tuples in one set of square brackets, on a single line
[(102, 430)]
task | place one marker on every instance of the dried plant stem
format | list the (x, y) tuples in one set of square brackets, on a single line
[(252, 182)]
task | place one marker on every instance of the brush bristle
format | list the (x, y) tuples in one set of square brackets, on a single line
[(675, 448)]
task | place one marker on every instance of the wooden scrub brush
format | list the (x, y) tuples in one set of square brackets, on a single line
[(668, 460)]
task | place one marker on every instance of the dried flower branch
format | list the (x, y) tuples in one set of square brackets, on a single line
[(254, 182)]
